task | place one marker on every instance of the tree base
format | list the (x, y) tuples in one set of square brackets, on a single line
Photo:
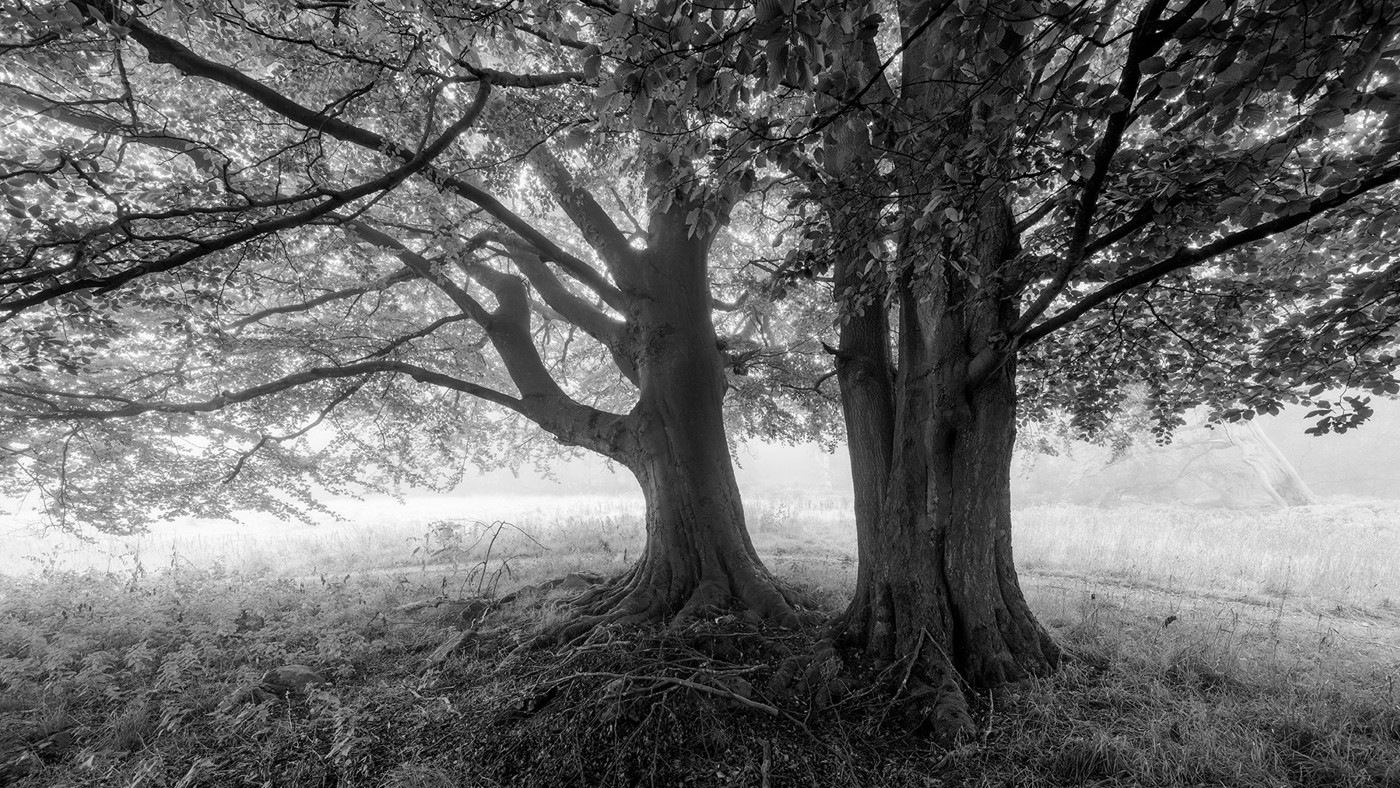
[(635, 599)]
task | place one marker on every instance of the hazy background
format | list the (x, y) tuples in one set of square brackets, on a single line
[(1200, 468), (798, 500)]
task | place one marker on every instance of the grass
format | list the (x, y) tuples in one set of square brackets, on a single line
[(1320, 556), (1200, 655)]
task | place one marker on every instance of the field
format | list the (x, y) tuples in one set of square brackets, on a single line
[(1255, 648)]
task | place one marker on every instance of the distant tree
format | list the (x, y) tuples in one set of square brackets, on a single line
[(1227, 464), (1030, 206), (258, 249)]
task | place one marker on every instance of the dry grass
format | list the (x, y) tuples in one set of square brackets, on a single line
[(1224, 649), (133, 669), (1322, 556)]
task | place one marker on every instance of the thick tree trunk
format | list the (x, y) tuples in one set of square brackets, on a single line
[(938, 585), (698, 556)]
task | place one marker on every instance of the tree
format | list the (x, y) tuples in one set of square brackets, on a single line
[(276, 246), (1038, 206)]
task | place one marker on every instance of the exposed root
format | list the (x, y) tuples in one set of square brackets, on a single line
[(936, 706), (633, 599)]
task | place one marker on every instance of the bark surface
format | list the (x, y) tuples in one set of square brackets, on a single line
[(698, 557), (931, 426)]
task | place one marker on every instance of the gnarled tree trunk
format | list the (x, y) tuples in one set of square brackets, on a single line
[(698, 556), (938, 583), (937, 587)]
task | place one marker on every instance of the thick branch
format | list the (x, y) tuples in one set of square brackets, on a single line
[(597, 227), (542, 399), (529, 81), (576, 310), (425, 268), (609, 332)]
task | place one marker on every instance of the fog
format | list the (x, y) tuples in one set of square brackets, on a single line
[(1200, 468)]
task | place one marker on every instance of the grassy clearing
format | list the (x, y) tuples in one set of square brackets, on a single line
[(1178, 676), (1320, 556)]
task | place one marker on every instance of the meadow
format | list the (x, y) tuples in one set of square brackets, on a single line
[(1233, 648)]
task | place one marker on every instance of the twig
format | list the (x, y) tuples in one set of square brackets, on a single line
[(913, 660), (991, 711), (951, 665)]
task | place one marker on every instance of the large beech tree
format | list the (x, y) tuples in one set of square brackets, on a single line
[(254, 247), (1060, 203)]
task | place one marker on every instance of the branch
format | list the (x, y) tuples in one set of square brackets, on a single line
[(425, 268), (509, 80), (335, 402), (1145, 42), (201, 248), (583, 210), (1185, 257), (569, 305), (402, 275), (162, 49), (312, 375), (199, 153), (542, 399)]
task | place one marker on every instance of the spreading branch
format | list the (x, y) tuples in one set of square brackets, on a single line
[(60, 410), (163, 49), (1186, 257), (204, 247)]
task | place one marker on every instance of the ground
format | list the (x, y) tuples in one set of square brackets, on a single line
[(1182, 672)]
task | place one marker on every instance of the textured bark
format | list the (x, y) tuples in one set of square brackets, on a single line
[(938, 583), (937, 588), (698, 556)]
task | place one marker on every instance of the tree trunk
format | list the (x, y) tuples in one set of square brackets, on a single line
[(938, 585), (698, 556), (1280, 479)]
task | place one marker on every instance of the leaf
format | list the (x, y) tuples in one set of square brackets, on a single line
[(592, 62)]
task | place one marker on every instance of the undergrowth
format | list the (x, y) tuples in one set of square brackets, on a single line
[(124, 680)]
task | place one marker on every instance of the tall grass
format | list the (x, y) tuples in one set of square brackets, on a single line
[(1342, 554), (1339, 554)]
